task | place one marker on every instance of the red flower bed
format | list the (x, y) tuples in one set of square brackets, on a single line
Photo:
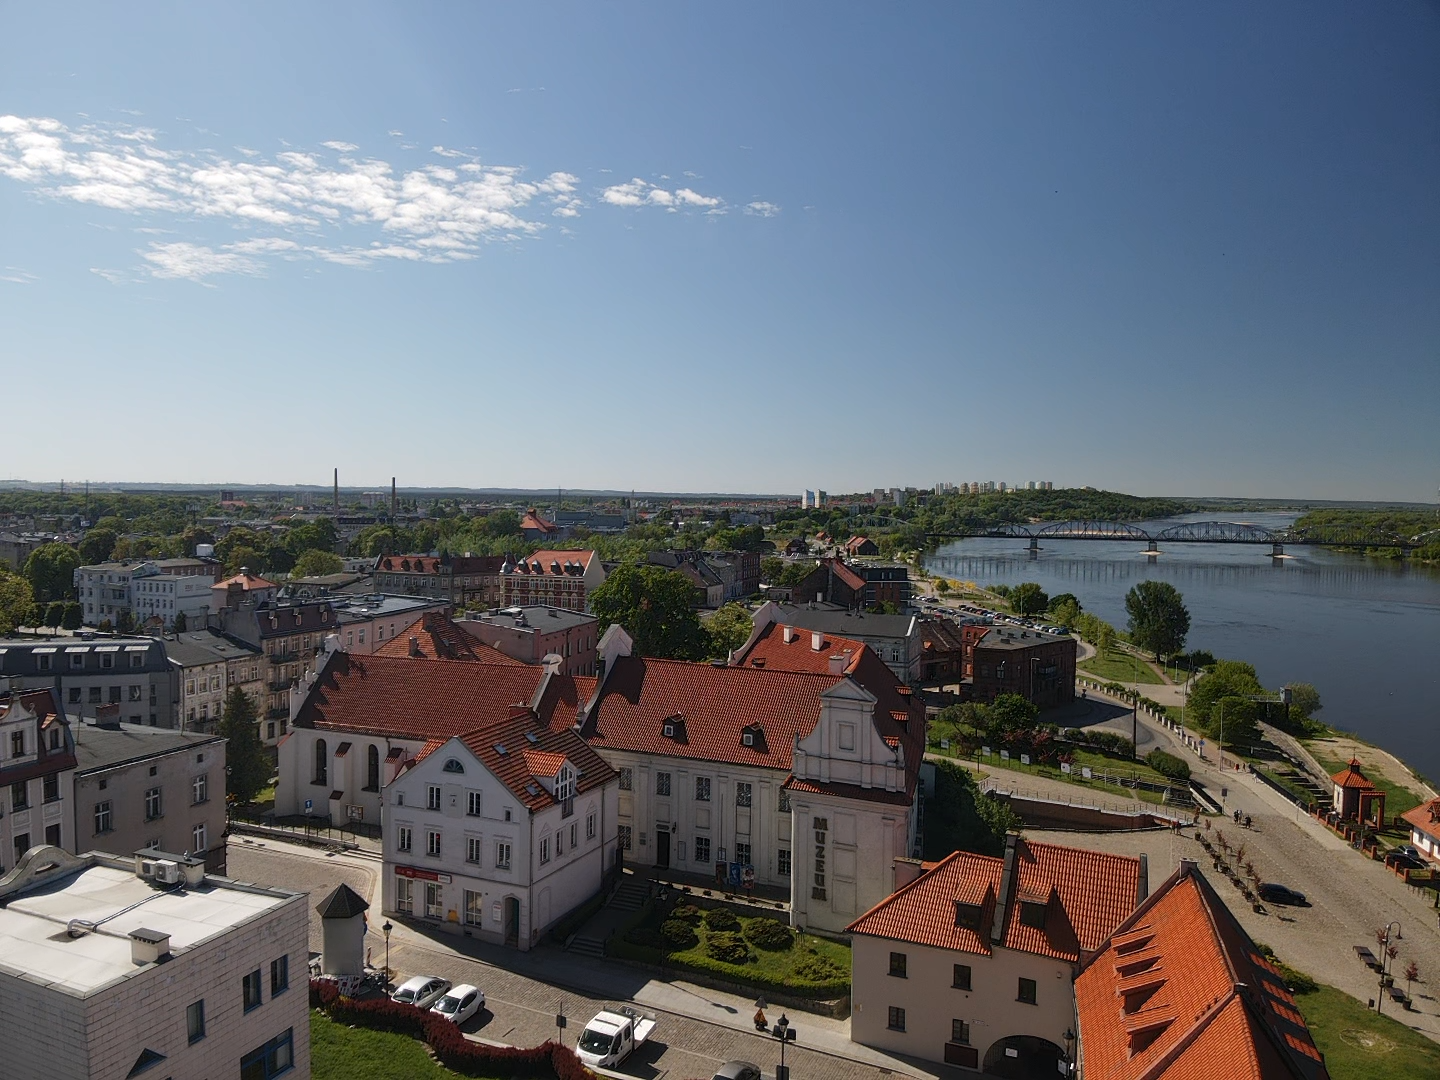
[(549, 1061)]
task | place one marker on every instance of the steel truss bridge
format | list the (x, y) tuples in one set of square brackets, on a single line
[(1199, 532)]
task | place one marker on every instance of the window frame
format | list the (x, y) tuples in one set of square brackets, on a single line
[(965, 981), (895, 1018), (899, 963), (702, 789), (1020, 991), (744, 793), (252, 978), (195, 1032)]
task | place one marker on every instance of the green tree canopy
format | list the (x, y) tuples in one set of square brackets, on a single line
[(796, 572), (1304, 700), (1237, 719), (97, 546), (1228, 678), (655, 607), (1028, 598), (54, 613), (1158, 619), (181, 623), (729, 628), (315, 562), (74, 616), (50, 569), (247, 765), (16, 601), (317, 535), (959, 818)]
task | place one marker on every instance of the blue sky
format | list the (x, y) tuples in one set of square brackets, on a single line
[(1156, 248)]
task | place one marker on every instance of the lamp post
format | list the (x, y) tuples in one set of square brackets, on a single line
[(1385, 961), (782, 1032), (1069, 1038), (386, 931)]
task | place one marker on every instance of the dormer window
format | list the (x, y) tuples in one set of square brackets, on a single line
[(669, 731), (747, 738), (564, 783), (968, 916), (1032, 914)]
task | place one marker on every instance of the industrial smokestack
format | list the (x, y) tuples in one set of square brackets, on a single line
[(337, 492), (394, 503)]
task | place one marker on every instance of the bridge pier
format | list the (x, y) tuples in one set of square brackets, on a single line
[(1152, 550), (1034, 547), (1277, 550)]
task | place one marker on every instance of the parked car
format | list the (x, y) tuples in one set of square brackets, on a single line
[(422, 991), (737, 1070), (461, 1003), (1281, 894), (1408, 850)]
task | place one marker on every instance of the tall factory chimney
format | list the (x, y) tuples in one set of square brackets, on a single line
[(394, 502), (337, 492)]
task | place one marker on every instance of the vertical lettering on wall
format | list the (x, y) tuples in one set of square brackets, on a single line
[(822, 827)]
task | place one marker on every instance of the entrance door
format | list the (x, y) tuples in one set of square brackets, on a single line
[(662, 849), (512, 921)]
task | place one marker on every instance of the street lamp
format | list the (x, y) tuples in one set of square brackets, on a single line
[(782, 1032), (1384, 962), (386, 931), (1069, 1038)]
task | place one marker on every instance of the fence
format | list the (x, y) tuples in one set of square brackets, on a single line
[(308, 830)]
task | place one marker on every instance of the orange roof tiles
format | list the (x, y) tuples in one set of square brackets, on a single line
[(437, 637), (774, 652), (1212, 1005), (533, 522), (411, 564), (544, 763), (1425, 817), (553, 562), (514, 767), (1087, 894), (1352, 777), (246, 582)]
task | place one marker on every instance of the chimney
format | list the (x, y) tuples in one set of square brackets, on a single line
[(817, 641), (394, 502), (415, 647), (149, 946), (906, 871), (108, 717), (1142, 887), (337, 492), (837, 664), (789, 633)]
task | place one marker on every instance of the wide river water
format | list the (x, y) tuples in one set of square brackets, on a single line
[(1365, 632)]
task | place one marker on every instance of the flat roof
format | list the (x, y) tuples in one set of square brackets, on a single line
[(105, 748), (829, 619), (35, 944), (352, 608), (535, 617), (1010, 637)]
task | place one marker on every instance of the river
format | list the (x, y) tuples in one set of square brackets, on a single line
[(1365, 632)]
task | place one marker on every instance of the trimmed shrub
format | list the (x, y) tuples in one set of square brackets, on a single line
[(727, 947), (685, 911), (678, 933), (1167, 764), (649, 938), (720, 918), (769, 934), (819, 969)]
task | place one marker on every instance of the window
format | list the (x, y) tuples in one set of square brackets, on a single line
[(195, 1020), (627, 778), (404, 838), (74, 695), (1032, 914), (251, 984), (782, 862), (113, 693), (559, 843), (573, 830), (273, 1059), (22, 845), (590, 826), (17, 744), (153, 805), (404, 895), (564, 783), (198, 840), (1026, 992), (77, 660), (104, 821), (200, 786), (474, 908), (897, 965), (545, 850), (136, 692), (959, 1031), (52, 835), (967, 915), (472, 849), (50, 787), (662, 783), (94, 695), (742, 852), (434, 900), (962, 977), (279, 975), (322, 763), (42, 661), (624, 837), (452, 765), (702, 789), (897, 1019), (372, 768), (502, 855), (20, 795), (702, 849), (742, 794), (432, 843), (472, 803), (784, 804), (432, 797)]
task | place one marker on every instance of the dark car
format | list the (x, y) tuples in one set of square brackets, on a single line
[(1281, 894), (737, 1070)]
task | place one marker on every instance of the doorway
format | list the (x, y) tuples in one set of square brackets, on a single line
[(512, 921), (662, 850)]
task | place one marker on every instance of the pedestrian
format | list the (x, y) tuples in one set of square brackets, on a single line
[(760, 1022)]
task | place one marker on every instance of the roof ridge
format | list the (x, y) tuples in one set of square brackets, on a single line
[(911, 884)]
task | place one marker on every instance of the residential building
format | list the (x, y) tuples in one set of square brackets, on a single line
[(240, 664), (535, 527), (138, 787), (708, 587), (356, 721), (792, 772), (131, 672), (592, 520), (861, 546), (498, 833), (1011, 660), (563, 579), (885, 583), (365, 623), (943, 651), (243, 588), (894, 638), (833, 583), (530, 634), (1180, 990), (438, 637), (320, 586), (461, 579), (1424, 822), (719, 577), (971, 961), (289, 634), (151, 590), (37, 767), (15, 548), (149, 967)]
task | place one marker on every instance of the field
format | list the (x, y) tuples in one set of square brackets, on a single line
[(1358, 1045), (1115, 666), (345, 1053)]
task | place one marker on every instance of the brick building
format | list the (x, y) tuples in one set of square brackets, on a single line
[(562, 579), (1040, 667), (460, 579)]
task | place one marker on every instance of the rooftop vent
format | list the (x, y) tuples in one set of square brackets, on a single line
[(817, 641), (149, 946), (837, 664)]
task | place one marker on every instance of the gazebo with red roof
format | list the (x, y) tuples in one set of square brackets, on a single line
[(1356, 798)]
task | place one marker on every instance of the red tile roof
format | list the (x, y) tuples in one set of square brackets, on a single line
[(553, 562), (1425, 817), (853, 580), (1352, 777), (1087, 894), (543, 762), (771, 651), (525, 762), (533, 522), (1180, 992), (439, 638), (411, 564), (246, 582)]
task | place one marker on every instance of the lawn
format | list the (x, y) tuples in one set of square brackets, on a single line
[(338, 1052), (722, 944), (1358, 1045), (1397, 799), (1112, 665), (1096, 761)]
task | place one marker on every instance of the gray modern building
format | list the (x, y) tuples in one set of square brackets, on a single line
[(133, 673)]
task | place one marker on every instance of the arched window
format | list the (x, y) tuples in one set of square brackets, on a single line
[(322, 763), (372, 768)]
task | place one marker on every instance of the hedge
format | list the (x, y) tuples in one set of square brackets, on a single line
[(1167, 764), (548, 1061)]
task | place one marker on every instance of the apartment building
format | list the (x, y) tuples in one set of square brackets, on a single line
[(288, 636), (366, 623), (150, 590), (460, 579), (562, 579), (133, 673), (209, 665), (894, 638), (529, 634), (143, 965), (37, 766), (141, 787)]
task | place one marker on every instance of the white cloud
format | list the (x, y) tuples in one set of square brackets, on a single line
[(16, 276), (300, 205), (762, 209)]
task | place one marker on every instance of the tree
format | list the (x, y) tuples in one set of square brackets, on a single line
[(16, 600), (729, 628), (1158, 619), (796, 572), (655, 607), (942, 587), (181, 624), (1007, 718), (959, 818), (771, 567), (1304, 700), (74, 616), (247, 765), (54, 613), (315, 563), (1235, 720), (1028, 598), (1065, 598), (50, 569), (98, 545), (125, 621), (244, 558), (1227, 678)]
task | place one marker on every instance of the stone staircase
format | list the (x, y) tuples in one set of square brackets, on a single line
[(586, 946), (629, 896)]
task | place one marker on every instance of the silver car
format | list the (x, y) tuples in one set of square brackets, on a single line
[(422, 991)]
